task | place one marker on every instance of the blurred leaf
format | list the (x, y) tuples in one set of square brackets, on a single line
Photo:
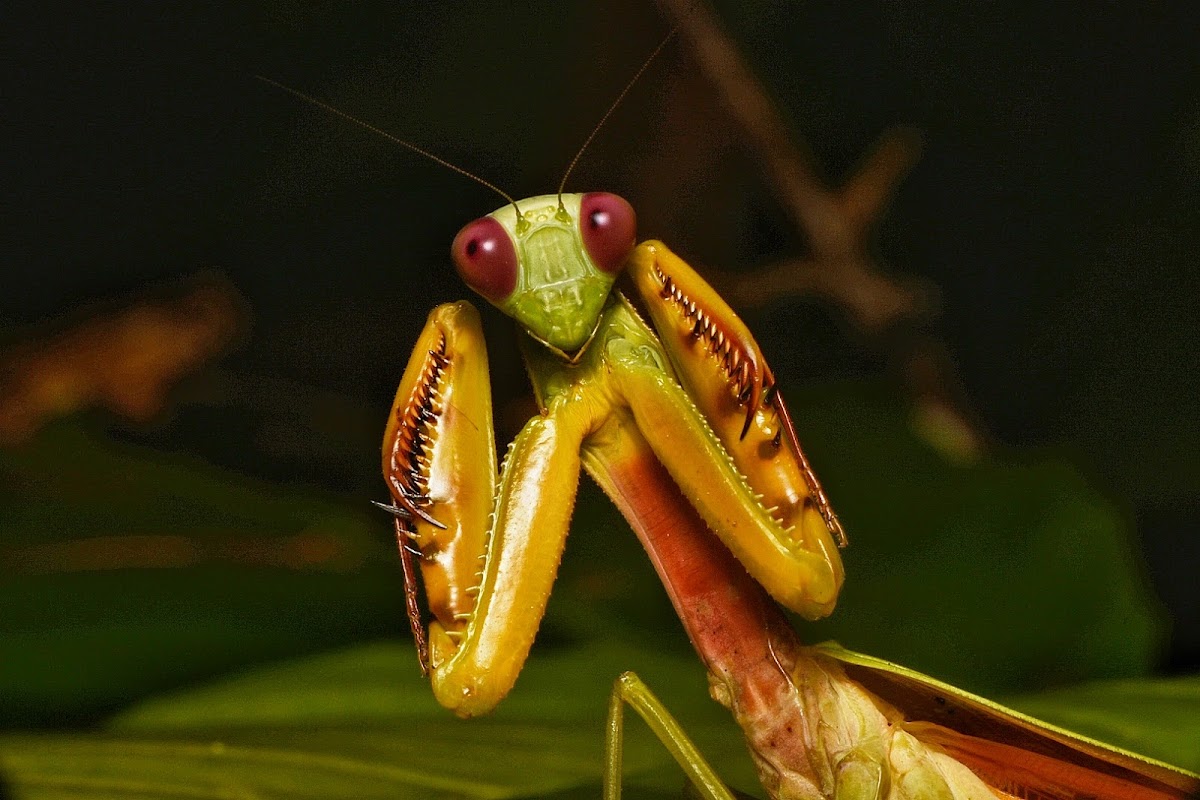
[(996, 577), (1159, 717), (361, 723), (381, 681), (127, 571)]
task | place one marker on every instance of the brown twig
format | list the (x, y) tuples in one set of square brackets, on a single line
[(125, 360), (838, 226)]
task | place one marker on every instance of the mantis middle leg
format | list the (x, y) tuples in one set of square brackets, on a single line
[(629, 689)]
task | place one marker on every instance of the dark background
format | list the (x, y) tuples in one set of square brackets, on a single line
[(1054, 207)]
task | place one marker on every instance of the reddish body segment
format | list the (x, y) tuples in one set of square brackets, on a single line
[(770, 682)]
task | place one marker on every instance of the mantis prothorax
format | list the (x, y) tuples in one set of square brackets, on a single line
[(680, 422)]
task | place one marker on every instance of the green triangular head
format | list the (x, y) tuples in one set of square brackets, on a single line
[(549, 262)]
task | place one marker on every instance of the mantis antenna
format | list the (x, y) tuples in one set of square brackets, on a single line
[(645, 64), (439, 160), (397, 140)]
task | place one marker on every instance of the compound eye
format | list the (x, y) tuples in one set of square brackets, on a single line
[(609, 227), (486, 259)]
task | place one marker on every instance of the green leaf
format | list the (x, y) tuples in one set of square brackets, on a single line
[(362, 723), (997, 576), (127, 571), (1154, 717)]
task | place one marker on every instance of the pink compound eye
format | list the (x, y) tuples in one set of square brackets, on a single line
[(609, 226), (485, 257)]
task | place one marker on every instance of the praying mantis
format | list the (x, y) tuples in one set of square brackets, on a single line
[(680, 423), (662, 395)]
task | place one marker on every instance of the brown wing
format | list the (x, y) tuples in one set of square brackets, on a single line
[(1015, 753)]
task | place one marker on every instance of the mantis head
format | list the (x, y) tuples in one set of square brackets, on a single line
[(549, 263)]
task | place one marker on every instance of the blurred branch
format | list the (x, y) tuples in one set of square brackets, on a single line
[(126, 361), (311, 549), (837, 225)]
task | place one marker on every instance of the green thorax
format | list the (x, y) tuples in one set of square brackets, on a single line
[(620, 335)]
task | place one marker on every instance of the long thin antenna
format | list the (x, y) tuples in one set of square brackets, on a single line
[(394, 139), (611, 109)]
